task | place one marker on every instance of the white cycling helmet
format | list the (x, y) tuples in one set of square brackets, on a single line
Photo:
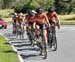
[(15, 13), (21, 14), (34, 11)]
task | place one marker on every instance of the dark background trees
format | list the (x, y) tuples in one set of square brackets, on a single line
[(61, 6)]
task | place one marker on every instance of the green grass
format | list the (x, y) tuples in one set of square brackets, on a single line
[(6, 13), (67, 19), (6, 52)]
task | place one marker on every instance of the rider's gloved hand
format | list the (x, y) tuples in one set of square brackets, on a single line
[(58, 25)]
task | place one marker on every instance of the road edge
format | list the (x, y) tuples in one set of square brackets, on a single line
[(20, 58)]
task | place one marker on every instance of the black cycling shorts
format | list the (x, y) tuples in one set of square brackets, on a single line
[(30, 23), (14, 23), (42, 26)]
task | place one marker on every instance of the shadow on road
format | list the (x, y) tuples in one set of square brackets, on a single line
[(27, 56), (21, 45), (9, 51), (28, 49), (7, 43), (32, 57)]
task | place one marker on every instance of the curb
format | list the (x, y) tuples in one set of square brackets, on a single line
[(20, 58)]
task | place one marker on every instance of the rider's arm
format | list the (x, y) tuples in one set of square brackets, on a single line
[(34, 25), (26, 20), (46, 18), (57, 20), (12, 19)]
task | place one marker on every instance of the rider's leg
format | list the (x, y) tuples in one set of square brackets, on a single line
[(14, 29), (14, 24), (53, 34), (30, 34), (28, 28), (36, 31), (45, 34), (33, 27)]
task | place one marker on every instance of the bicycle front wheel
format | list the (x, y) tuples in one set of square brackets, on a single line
[(54, 42)]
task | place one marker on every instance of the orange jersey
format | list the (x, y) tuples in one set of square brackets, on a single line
[(52, 15), (30, 19), (19, 18), (41, 18)]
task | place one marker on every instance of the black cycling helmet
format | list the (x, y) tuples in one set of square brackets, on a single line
[(39, 10), (50, 9), (30, 12)]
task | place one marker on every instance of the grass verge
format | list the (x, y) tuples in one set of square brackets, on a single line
[(6, 52), (6, 13), (67, 19)]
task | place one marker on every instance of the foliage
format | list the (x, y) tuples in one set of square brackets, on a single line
[(65, 6), (33, 4), (6, 13), (62, 6)]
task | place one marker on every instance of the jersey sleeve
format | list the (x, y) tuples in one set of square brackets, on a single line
[(26, 17), (56, 16), (45, 16)]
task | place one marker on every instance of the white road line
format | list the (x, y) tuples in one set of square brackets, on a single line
[(67, 28)]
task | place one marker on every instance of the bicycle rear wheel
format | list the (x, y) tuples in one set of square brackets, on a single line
[(44, 48), (44, 52)]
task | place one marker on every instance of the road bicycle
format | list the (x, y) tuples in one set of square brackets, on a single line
[(52, 39)]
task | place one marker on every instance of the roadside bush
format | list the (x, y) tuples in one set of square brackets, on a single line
[(23, 7), (6, 13), (33, 4)]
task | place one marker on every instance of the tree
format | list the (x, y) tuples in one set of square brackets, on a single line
[(7, 4), (33, 4), (1, 4), (62, 6)]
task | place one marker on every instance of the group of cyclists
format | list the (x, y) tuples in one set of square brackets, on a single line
[(17, 18), (38, 19)]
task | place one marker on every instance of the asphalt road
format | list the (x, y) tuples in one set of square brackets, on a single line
[(64, 53)]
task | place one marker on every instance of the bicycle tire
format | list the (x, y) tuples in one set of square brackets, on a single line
[(44, 47), (54, 42)]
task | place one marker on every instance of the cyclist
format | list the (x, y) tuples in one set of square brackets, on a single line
[(30, 20), (41, 22), (19, 18), (53, 19), (14, 22), (22, 15)]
